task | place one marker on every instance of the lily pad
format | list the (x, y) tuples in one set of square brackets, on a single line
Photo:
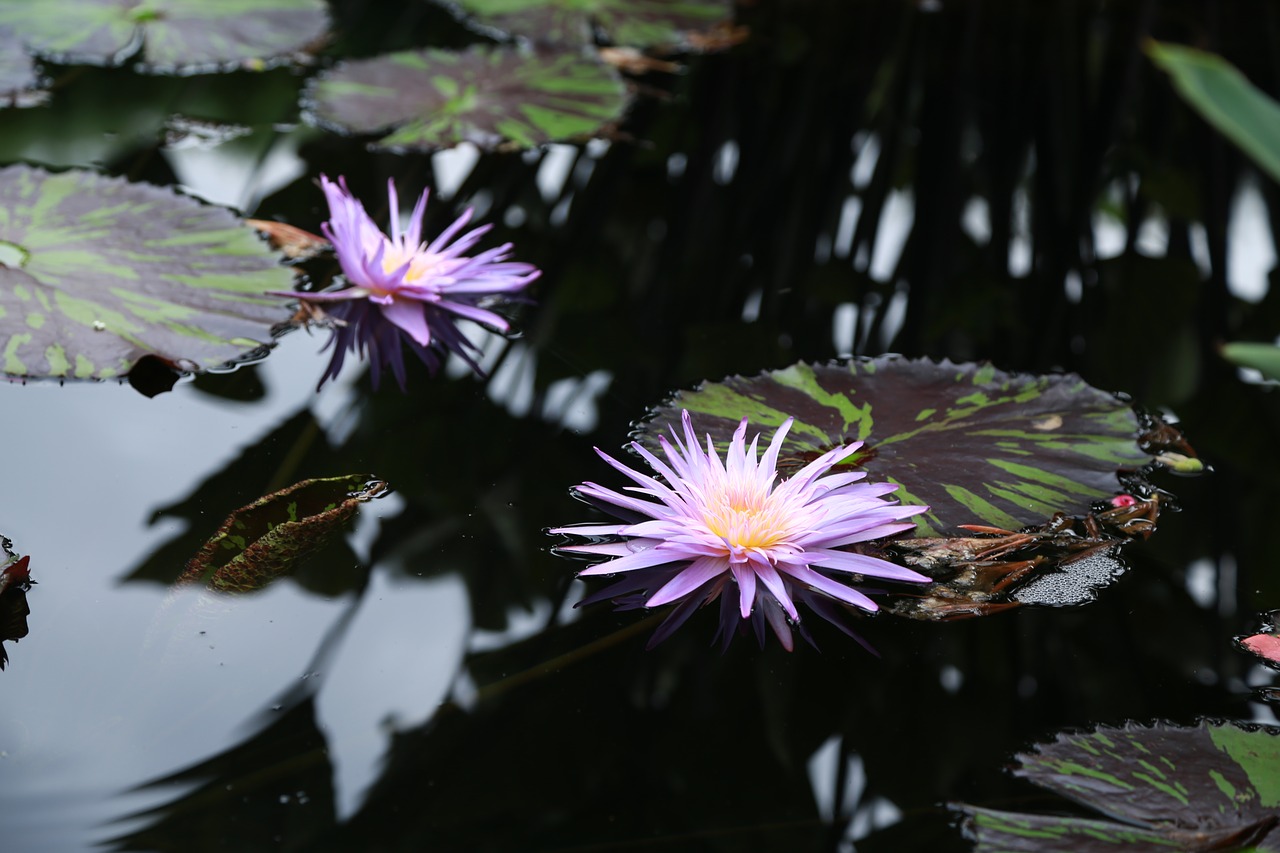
[(98, 272), (633, 23), (172, 35), (976, 444), (488, 96), (1265, 644), (1226, 99), (268, 538), (1215, 786)]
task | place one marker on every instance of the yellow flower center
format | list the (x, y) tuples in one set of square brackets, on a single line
[(746, 521), (420, 263)]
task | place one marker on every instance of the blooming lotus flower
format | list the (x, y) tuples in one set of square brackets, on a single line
[(402, 291), (727, 529)]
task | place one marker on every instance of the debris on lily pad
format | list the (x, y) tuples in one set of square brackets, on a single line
[(1214, 786), (270, 537), (490, 96), (679, 24), (97, 273), (186, 36), (1034, 482)]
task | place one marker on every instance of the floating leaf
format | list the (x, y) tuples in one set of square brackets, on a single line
[(636, 23), (189, 35), (17, 71), (487, 96), (1226, 99), (271, 536), (1264, 358), (1212, 787), (97, 272), (976, 444)]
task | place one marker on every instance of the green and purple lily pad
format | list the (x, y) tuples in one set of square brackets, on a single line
[(168, 35), (489, 96), (1215, 786), (270, 537), (976, 444)]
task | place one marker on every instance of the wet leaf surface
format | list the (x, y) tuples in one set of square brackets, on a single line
[(172, 35), (97, 272), (637, 23), (1215, 786), (976, 444), (270, 537), (488, 96)]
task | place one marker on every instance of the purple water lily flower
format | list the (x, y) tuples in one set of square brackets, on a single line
[(401, 291), (709, 527)]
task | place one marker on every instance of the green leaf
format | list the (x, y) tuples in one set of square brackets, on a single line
[(1264, 358), (976, 444), (1215, 786), (633, 23), (1226, 99), (270, 537), (173, 35), (487, 96), (97, 272)]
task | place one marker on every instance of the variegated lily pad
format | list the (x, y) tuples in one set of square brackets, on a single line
[(488, 96), (632, 23), (173, 35), (17, 70), (976, 444), (1212, 787), (98, 272)]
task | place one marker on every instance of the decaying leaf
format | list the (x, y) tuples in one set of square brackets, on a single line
[(268, 538), (97, 273), (1214, 786), (295, 243), (15, 580)]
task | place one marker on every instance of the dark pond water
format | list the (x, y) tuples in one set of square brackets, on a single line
[(942, 179)]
